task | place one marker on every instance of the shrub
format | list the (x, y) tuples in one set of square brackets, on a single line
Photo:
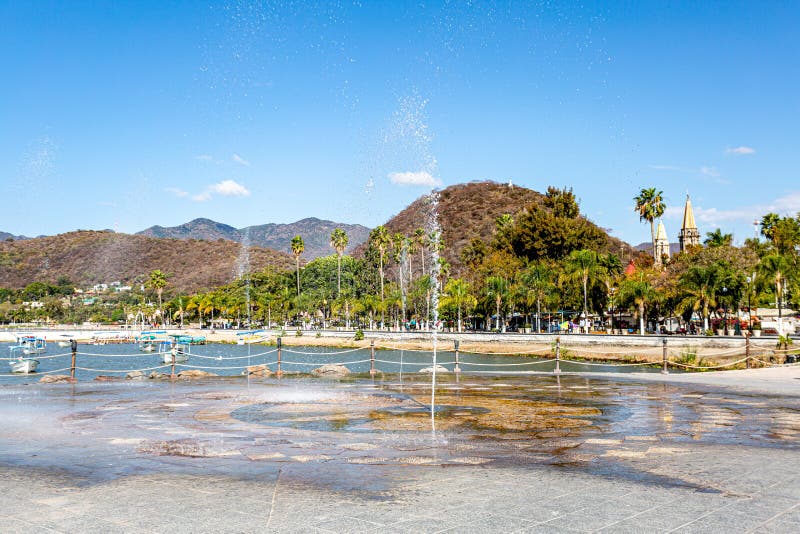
[(359, 335)]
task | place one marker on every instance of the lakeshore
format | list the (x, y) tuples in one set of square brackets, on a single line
[(715, 350)]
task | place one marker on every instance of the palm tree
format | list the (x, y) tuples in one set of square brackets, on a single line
[(539, 278), (457, 293), (157, 280), (718, 239), (698, 287), (497, 289), (650, 206), (339, 241), (584, 266), (776, 267), (298, 247), (379, 238), (421, 239), (639, 293)]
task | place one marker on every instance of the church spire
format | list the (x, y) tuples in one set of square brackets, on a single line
[(690, 235), (662, 245)]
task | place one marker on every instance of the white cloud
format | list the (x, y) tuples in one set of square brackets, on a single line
[(785, 205), (240, 160), (710, 171), (421, 178), (740, 150), (177, 192), (225, 188), (229, 188)]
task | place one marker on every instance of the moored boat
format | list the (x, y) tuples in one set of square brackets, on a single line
[(20, 364)]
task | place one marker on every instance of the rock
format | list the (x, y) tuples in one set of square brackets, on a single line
[(193, 374), (331, 370), (135, 375), (439, 369), (106, 378), (158, 376), (259, 370), (54, 379)]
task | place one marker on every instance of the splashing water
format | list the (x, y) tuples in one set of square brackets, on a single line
[(243, 268), (435, 231)]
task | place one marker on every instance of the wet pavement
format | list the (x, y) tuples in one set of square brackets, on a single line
[(530, 453)]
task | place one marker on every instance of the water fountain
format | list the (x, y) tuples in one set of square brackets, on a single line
[(435, 231)]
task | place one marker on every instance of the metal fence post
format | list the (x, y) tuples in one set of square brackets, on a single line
[(174, 352), (74, 346), (372, 358), (747, 350), (456, 369), (664, 370), (279, 372), (557, 370)]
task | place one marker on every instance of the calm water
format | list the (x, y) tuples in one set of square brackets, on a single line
[(231, 360)]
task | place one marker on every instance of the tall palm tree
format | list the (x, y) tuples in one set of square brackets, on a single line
[(539, 278), (421, 239), (718, 239), (298, 247), (379, 237), (650, 206), (339, 242), (157, 280), (776, 267), (583, 266), (457, 293), (497, 290)]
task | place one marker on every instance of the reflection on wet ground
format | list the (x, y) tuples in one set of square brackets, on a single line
[(507, 454), (592, 425)]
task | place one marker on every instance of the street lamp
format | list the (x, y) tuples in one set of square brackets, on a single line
[(725, 307), (612, 290)]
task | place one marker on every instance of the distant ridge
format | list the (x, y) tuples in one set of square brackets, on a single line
[(315, 232), (5, 236), (88, 257)]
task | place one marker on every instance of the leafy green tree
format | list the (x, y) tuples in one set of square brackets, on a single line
[(777, 268), (698, 288)]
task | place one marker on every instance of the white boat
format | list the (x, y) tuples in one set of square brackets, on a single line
[(20, 364), (179, 352), (67, 342), (32, 344)]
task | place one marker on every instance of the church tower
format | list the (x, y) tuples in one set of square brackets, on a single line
[(662, 245), (689, 236)]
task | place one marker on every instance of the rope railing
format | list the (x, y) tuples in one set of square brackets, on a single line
[(36, 357), (286, 362), (52, 371), (515, 353), (325, 353), (687, 366), (92, 370), (476, 364)]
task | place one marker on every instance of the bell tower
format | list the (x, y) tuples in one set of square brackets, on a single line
[(690, 235)]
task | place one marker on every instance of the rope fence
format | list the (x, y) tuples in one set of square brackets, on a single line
[(675, 357)]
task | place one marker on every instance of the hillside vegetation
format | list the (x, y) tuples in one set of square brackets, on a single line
[(469, 211), (316, 234), (90, 257)]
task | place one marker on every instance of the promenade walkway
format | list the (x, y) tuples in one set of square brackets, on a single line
[(528, 453)]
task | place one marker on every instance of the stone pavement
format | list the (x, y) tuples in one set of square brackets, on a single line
[(644, 458)]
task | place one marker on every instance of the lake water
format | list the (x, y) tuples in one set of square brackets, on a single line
[(231, 360)]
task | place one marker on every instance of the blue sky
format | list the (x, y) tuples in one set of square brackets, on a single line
[(128, 114)]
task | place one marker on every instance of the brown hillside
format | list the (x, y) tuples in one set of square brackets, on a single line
[(89, 257), (467, 211)]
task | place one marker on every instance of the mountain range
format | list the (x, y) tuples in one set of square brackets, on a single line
[(316, 234)]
